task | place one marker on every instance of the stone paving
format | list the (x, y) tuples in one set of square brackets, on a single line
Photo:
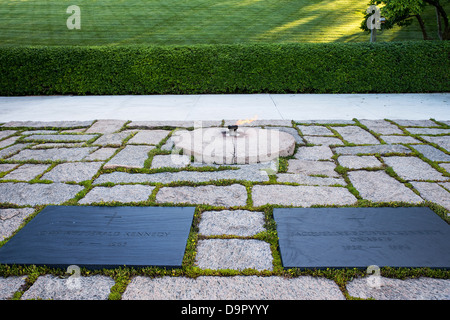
[(339, 163)]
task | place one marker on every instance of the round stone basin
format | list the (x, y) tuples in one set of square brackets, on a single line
[(243, 146)]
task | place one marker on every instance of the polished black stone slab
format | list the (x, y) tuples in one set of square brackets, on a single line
[(102, 237), (359, 237)]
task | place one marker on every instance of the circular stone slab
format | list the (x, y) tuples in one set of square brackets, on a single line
[(250, 145)]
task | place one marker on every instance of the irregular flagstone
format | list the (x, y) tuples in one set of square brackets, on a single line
[(413, 168), (400, 139), (315, 131), (381, 149), (101, 154), (10, 285), (234, 254), (324, 121), (60, 137), (149, 137), (381, 126), (73, 171), (4, 167), (6, 133), (130, 157), (232, 288), (396, 289), (314, 153), (173, 123), (304, 196), (326, 141), (428, 131), (227, 196), (27, 133), (172, 160), (446, 166), (121, 193), (106, 126), (238, 222), (378, 186), (5, 153), (112, 139), (441, 141), (432, 153), (69, 154), (57, 145), (258, 123), (309, 180), (433, 192), (415, 123), (26, 172), (359, 162), (49, 287), (310, 167), (38, 193), (47, 124), (11, 219), (8, 142), (357, 135)]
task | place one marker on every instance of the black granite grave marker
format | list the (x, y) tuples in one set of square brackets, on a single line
[(360, 237), (102, 237)]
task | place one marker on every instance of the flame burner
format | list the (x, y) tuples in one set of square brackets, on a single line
[(232, 130)]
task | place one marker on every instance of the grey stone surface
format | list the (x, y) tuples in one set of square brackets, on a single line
[(238, 222), (11, 219), (415, 123), (101, 154), (4, 167), (314, 153), (227, 196), (310, 167), (172, 160), (60, 137), (47, 124), (396, 289), (399, 139), (26, 172), (7, 142), (6, 133), (432, 153), (359, 162), (106, 126), (7, 152), (149, 137), (446, 166), (357, 135), (31, 132), (441, 141), (73, 171), (260, 123), (433, 192), (234, 254), (51, 145), (120, 193), (309, 180), (10, 285), (112, 139), (326, 121), (413, 168), (428, 131), (324, 141), (232, 288), (315, 131), (381, 126), (304, 196), (130, 157), (36, 194), (49, 287), (173, 123), (292, 131), (381, 149), (69, 154), (378, 186)]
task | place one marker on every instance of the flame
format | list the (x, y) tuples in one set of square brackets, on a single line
[(241, 122)]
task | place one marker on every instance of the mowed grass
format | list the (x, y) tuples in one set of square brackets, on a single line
[(179, 22)]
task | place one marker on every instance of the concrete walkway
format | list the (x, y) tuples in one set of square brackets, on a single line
[(218, 107)]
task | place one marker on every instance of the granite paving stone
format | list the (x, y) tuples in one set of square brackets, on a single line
[(172, 160), (446, 166), (433, 192), (261, 123), (227, 196), (130, 157), (309, 180), (315, 131), (47, 124), (314, 153), (4, 167), (428, 131), (10, 285), (60, 137), (432, 153), (232, 288), (413, 168), (52, 145), (106, 126), (292, 131), (381, 126), (7, 142), (33, 132), (242, 223), (101, 154), (152, 137), (120, 193), (173, 123), (112, 139), (310, 167), (415, 123), (36, 194), (378, 186), (357, 135), (441, 141), (325, 141), (304, 196), (234, 254), (399, 139), (6, 133), (396, 289), (325, 121), (68, 154), (381, 149), (11, 219), (26, 172), (72, 171), (9, 151), (49, 287), (359, 162)]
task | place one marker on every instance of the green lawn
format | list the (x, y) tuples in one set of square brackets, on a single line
[(117, 22)]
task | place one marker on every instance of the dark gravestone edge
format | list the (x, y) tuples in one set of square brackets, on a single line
[(306, 225), (98, 237)]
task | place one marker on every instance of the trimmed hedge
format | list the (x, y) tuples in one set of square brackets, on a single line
[(395, 67)]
